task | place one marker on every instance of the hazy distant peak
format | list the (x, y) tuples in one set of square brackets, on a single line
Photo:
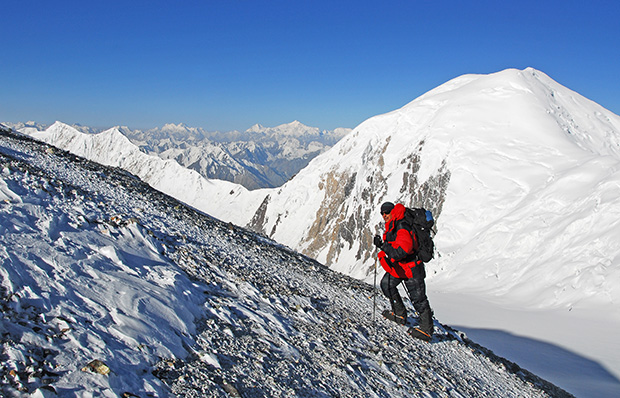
[(292, 129), (174, 127), (257, 128)]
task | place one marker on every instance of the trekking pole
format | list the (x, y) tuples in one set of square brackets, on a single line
[(374, 294)]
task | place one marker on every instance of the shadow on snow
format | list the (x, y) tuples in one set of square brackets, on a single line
[(576, 374)]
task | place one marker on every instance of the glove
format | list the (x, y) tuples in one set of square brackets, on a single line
[(378, 241)]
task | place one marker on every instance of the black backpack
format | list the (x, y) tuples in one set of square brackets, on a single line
[(421, 223)]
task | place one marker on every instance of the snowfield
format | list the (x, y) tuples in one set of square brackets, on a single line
[(110, 288)]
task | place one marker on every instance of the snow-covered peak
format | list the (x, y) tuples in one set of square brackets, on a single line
[(510, 151), (257, 128), (170, 131), (31, 125), (293, 129), (527, 96), (174, 127)]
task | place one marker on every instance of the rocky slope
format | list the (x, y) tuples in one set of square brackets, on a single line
[(109, 287)]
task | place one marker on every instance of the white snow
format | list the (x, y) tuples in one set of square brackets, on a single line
[(109, 288), (528, 255), (553, 343)]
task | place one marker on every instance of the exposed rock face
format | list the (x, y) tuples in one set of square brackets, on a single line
[(339, 226), (346, 220), (429, 194), (257, 222), (331, 225)]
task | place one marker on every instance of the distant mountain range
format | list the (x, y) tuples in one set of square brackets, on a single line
[(260, 157)]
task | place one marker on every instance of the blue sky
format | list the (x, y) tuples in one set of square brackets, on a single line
[(229, 64)]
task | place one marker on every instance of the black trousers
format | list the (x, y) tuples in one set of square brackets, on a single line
[(416, 288)]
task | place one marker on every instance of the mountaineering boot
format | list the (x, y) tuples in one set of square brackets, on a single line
[(387, 314), (424, 330), (419, 334)]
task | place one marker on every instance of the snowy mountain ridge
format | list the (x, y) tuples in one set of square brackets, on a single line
[(111, 288), (260, 157), (300, 131), (295, 128), (113, 148)]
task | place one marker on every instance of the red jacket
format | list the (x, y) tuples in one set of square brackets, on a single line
[(398, 254)]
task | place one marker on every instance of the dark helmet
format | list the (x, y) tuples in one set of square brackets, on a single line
[(387, 207)]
